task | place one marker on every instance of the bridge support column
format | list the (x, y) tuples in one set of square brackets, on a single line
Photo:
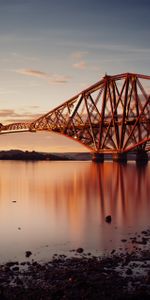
[(141, 157), (119, 157), (98, 157)]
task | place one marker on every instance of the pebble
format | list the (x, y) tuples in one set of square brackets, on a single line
[(79, 250), (108, 219), (28, 253), (129, 272)]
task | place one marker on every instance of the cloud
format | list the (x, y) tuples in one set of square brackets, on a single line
[(52, 79), (106, 46), (79, 54), (81, 65), (7, 92), (34, 106), (33, 73), (21, 57), (58, 79), (10, 115)]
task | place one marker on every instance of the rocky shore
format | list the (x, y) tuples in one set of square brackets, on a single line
[(115, 276)]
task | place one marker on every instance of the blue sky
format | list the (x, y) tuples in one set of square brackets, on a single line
[(50, 50)]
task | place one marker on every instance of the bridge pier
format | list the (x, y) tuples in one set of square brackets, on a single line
[(119, 157), (141, 157), (98, 157)]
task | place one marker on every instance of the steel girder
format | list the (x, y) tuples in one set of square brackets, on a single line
[(15, 127)]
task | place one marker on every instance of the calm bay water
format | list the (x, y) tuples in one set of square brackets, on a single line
[(54, 207)]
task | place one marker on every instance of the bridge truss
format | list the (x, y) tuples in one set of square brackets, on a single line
[(111, 116)]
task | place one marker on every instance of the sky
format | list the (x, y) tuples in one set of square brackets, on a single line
[(51, 50)]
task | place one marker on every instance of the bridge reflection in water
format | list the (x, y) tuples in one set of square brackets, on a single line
[(69, 211)]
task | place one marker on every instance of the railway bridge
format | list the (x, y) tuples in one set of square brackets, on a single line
[(111, 117)]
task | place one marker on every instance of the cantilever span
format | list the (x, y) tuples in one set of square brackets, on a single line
[(15, 127), (110, 117)]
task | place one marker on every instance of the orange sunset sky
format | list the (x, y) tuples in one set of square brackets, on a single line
[(52, 50)]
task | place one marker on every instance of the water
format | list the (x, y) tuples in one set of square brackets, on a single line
[(54, 207)]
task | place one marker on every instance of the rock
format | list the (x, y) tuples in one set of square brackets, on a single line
[(144, 232), (15, 268), (108, 219), (129, 272), (23, 263), (18, 281), (79, 250), (12, 263), (28, 253), (70, 279)]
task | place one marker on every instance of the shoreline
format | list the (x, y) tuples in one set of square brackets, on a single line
[(66, 156), (43, 156), (124, 276), (114, 276)]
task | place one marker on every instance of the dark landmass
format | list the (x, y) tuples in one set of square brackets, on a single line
[(118, 276), (33, 155)]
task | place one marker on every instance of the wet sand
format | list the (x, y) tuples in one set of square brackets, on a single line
[(115, 276)]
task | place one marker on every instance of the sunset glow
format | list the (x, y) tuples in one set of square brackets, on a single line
[(51, 50)]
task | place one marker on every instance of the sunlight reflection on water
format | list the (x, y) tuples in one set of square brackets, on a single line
[(62, 206)]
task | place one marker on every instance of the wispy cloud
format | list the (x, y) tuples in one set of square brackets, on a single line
[(33, 73), (10, 115), (79, 61), (81, 65), (34, 106), (106, 47), (7, 112), (79, 54), (52, 79), (21, 57), (122, 48), (58, 79), (6, 92)]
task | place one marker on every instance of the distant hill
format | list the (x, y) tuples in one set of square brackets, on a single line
[(33, 155)]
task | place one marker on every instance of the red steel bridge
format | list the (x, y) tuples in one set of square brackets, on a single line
[(110, 117)]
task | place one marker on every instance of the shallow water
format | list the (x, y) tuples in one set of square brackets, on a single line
[(54, 207)]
